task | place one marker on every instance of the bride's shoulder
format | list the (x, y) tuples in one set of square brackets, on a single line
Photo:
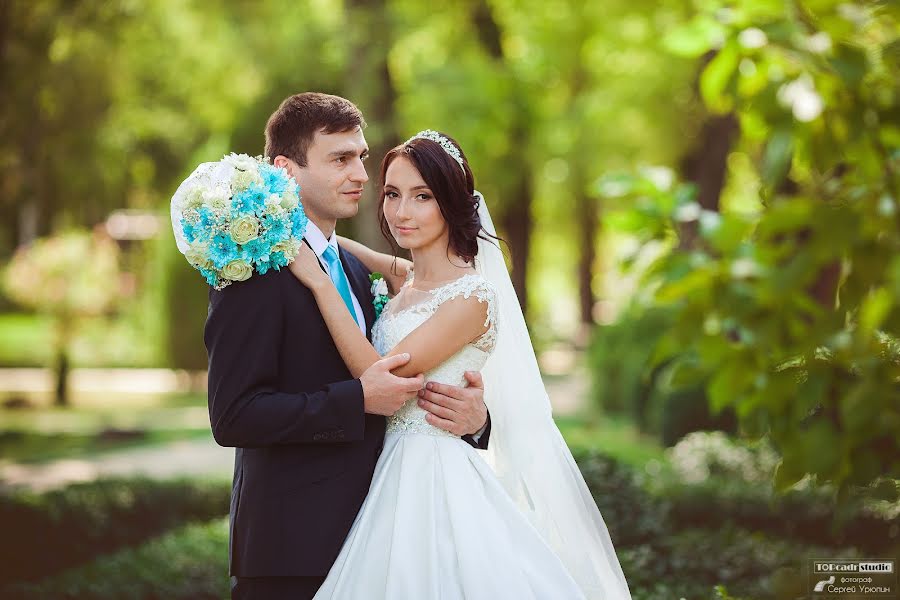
[(474, 290)]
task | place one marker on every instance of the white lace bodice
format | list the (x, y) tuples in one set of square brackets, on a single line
[(394, 324)]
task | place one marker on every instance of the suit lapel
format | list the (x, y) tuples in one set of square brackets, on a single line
[(362, 288)]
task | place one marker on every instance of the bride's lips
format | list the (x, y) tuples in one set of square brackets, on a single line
[(404, 230)]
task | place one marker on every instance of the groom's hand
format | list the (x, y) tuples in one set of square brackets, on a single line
[(461, 411), (383, 392)]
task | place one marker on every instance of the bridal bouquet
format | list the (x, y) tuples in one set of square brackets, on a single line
[(238, 216)]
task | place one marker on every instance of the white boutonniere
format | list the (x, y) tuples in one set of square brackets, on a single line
[(379, 292)]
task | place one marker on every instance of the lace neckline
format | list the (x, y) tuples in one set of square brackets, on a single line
[(432, 292), (409, 279)]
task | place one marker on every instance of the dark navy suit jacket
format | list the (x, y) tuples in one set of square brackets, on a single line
[(280, 393)]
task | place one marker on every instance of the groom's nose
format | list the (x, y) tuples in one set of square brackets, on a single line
[(358, 173)]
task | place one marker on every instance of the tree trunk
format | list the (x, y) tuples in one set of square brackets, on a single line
[(517, 225), (369, 85), (516, 220), (706, 164), (587, 214), (61, 362)]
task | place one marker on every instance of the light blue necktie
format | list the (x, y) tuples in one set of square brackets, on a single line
[(336, 272)]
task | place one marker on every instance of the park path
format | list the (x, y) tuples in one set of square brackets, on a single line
[(188, 458)]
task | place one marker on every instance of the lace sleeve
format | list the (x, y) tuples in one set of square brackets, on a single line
[(474, 285)]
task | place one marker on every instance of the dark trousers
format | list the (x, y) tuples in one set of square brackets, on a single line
[(275, 588)]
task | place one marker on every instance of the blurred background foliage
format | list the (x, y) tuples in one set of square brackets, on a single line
[(701, 204)]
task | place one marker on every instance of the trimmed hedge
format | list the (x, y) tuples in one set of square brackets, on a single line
[(43, 534), (187, 564)]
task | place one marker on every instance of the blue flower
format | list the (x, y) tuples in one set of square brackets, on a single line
[(274, 179), (262, 267), (188, 230), (298, 222), (210, 277), (278, 260), (222, 250), (276, 229), (249, 201), (256, 250)]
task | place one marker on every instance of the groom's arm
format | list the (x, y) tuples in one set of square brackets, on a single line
[(243, 336)]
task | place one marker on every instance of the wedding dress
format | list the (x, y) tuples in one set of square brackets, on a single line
[(437, 524)]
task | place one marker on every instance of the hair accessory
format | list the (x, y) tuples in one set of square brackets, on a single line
[(447, 145)]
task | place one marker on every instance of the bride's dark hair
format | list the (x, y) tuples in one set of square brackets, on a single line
[(453, 188)]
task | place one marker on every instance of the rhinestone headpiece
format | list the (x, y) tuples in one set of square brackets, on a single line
[(447, 145)]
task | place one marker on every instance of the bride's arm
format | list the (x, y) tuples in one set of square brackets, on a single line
[(456, 323), (393, 268)]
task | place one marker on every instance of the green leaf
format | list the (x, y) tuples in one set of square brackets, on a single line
[(695, 37), (716, 78), (851, 64), (728, 385), (777, 157), (875, 308)]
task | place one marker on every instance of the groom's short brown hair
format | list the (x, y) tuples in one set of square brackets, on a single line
[(291, 129)]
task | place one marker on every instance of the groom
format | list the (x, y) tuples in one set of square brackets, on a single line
[(306, 434)]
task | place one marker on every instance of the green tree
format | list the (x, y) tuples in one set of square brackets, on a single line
[(789, 314), (70, 277)]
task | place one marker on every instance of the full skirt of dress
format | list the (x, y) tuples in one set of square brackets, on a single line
[(438, 525)]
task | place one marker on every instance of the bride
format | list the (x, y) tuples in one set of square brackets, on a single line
[(440, 520)]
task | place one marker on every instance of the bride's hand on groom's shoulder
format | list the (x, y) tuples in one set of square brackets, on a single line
[(306, 268)]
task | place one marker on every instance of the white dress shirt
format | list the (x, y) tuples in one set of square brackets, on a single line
[(319, 243)]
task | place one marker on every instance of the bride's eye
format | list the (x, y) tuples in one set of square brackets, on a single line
[(423, 197), (391, 194)]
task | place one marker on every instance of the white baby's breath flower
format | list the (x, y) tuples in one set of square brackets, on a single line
[(244, 229), (237, 270), (753, 37)]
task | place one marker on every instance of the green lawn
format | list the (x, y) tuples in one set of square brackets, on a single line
[(33, 447), (100, 423), (46, 432)]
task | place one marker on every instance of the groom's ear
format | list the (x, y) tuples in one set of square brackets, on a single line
[(285, 163)]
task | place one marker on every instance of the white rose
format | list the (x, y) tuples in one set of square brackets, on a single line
[(290, 247), (289, 200), (198, 255), (244, 229), (237, 270)]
